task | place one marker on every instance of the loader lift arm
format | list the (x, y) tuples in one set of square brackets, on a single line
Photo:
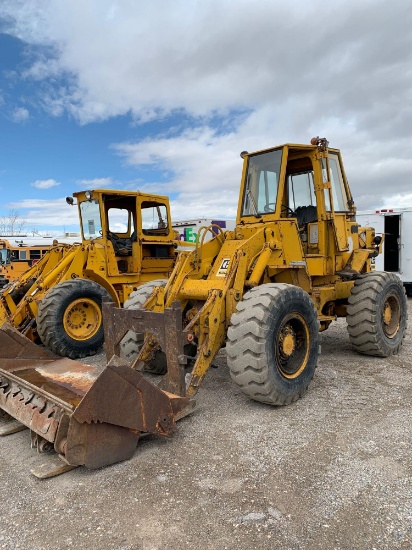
[(215, 301)]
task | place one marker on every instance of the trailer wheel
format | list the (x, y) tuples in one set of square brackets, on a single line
[(69, 319), (132, 342), (273, 342), (377, 314)]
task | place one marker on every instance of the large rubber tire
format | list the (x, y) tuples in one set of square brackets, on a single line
[(377, 314), (273, 343), (69, 319), (132, 342)]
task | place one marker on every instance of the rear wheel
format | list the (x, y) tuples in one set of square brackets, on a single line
[(377, 314), (69, 319), (273, 341), (132, 342)]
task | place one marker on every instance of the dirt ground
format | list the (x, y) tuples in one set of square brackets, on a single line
[(332, 471)]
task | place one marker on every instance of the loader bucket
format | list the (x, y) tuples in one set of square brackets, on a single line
[(89, 418)]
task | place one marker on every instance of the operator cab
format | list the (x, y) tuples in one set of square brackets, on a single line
[(133, 228), (294, 195)]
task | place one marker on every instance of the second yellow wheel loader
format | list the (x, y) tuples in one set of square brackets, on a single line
[(296, 261), (127, 240)]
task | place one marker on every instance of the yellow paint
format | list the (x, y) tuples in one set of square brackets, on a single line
[(288, 344), (153, 257), (82, 319), (268, 246)]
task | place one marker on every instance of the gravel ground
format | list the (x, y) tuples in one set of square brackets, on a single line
[(331, 471)]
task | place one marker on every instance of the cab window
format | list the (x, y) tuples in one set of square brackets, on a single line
[(262, 182), (301, 191), (91, 222), (154, 218), (120, 221)]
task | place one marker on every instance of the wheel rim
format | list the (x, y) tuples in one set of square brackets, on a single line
[(82, 319), (391, 316), (292, 346)]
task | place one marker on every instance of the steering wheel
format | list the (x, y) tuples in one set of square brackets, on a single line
[(267, 208), (289, 210)]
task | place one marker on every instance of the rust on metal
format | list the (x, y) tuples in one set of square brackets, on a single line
[(30, 405), (14, 345), (65, 373), (89, 418), (165, 327)]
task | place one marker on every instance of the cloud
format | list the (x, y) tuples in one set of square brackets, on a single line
[(236, 76), (54, 214), (44, 184), (219, 55), (398, 201), (203, 168), (95, 183), (20, 114)]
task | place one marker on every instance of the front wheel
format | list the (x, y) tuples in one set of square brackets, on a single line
[(69, 319), (273, 342), (377, 314)]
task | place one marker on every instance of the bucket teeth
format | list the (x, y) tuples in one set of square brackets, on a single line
[(89, 418), (101, 418)]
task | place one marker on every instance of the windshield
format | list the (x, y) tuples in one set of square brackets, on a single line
[(91, 221), (4, 256), (262, 183)]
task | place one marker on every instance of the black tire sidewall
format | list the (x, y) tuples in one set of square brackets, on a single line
[(391, 288), (295, 302), (80, 289)]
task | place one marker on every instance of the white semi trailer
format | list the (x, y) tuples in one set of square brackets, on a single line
[(396, 225)]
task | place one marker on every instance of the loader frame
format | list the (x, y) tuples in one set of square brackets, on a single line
[(323, 256)]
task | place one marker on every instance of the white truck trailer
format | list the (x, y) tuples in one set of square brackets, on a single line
[(396, 225)]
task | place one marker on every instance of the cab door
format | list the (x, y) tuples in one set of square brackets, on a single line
[(302, 201), (336, 199)]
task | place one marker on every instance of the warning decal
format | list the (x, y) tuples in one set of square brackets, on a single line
[(222, 271)]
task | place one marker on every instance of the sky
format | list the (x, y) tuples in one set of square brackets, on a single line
[(163, 96)]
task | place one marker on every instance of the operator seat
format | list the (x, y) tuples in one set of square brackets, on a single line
[(306, 214)]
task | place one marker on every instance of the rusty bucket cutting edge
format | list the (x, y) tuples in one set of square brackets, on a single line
[(90, 419)]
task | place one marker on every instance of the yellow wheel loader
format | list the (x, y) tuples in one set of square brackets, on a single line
[(127, 240), (296, 261)]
